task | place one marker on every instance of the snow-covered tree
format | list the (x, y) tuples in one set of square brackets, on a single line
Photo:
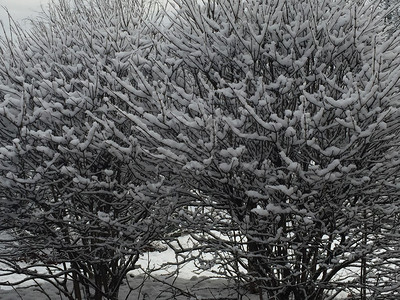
[(276, 121), (393, 15), (281, 117), (78, 198)]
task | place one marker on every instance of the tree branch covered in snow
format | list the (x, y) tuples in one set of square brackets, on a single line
[(274, 122), (76, 189), (283, 115)]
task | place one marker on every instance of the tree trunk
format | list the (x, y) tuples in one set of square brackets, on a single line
[(255, 284), (76, 282)]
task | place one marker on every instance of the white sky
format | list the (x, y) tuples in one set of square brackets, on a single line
[(20, 9)]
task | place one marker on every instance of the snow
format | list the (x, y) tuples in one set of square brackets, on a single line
[(142, 287), (293, 118), (152, 280), (271, 209)]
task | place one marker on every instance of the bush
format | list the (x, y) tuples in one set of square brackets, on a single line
[(77, 195)]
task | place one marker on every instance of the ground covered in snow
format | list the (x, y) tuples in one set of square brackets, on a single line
[(152, 281), (151, 289), (184, 284)]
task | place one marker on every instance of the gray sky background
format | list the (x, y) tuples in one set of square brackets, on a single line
[(20, 9)]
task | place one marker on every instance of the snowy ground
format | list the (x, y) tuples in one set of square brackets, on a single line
[(188, 285), (155, 285), (200, 287)]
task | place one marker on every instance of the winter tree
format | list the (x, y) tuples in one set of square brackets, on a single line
[(393, 15), (79, 201), (281, 119), (275, 120)]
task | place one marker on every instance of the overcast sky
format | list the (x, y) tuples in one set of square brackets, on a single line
[(20, 9)]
